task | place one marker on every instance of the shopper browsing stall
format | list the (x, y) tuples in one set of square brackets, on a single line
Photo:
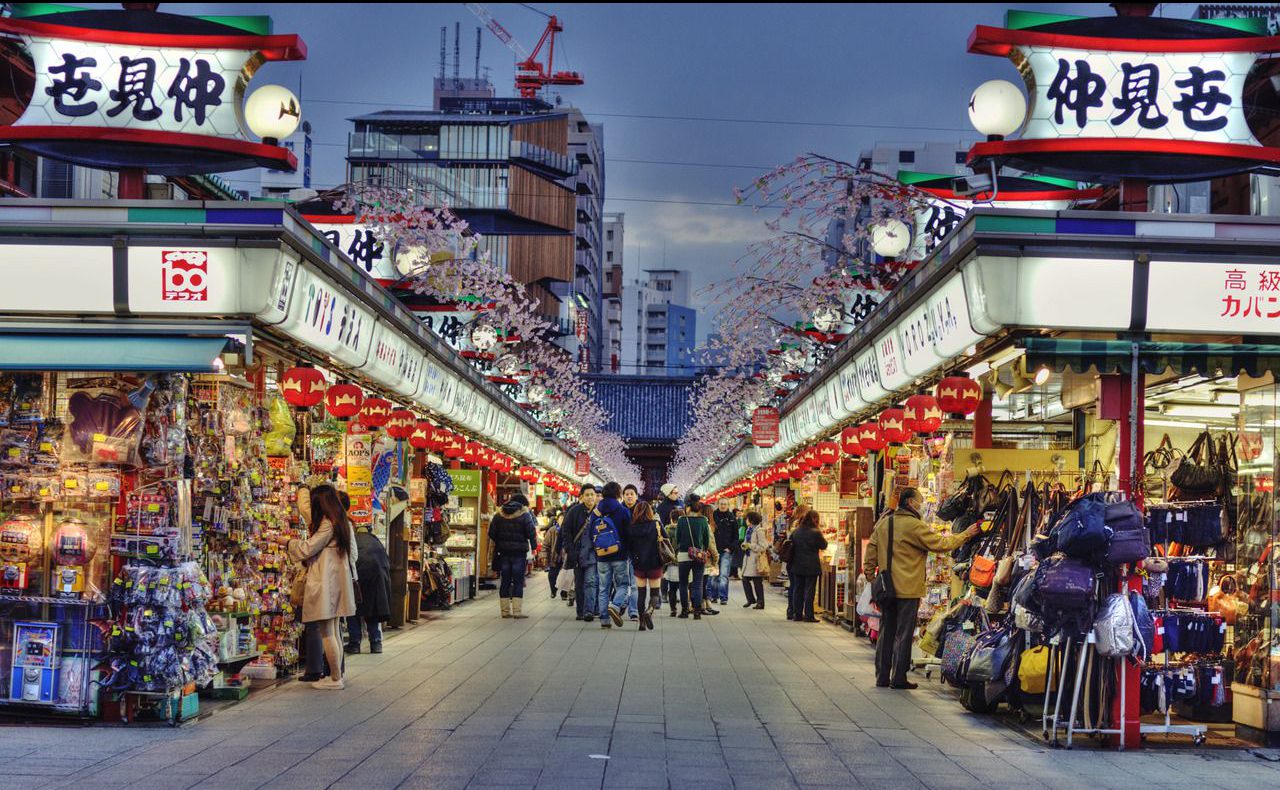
[(902, 541), (514, 533)]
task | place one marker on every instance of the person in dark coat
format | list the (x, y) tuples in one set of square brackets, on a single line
[(728, 543), (806, 542), (579, 553), (643, 535), (373, 569), (513, 533)]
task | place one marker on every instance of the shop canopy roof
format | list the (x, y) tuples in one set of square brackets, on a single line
[(1116, 356), (169, 353)]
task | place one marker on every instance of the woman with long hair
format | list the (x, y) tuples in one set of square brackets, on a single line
[(792, 524), (755, 561), (643, 536), (806, 542), (330, 556)]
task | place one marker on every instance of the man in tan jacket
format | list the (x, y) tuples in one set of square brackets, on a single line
[(912, 543)]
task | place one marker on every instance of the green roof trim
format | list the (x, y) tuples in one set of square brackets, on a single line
[(1015, 224), (1022, 20), (22, 10), (257, 25), (176, 216), (910, 177), (1253, 25)]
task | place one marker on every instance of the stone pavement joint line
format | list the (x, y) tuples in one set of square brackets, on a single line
[(744, 699)]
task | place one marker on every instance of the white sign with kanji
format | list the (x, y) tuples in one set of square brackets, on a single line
[(1229, 299)]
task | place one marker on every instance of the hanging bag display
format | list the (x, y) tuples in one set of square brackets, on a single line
[(1198, 474)]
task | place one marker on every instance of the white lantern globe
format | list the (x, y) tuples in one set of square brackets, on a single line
[(997, 108), (890, 237), (484, 337), (273, 113), (826, 319)]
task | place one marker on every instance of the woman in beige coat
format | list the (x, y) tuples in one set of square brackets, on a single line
[(755, 565), (330, 557)]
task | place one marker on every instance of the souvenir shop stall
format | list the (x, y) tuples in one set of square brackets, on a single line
[(1116, 443), (152, 445)]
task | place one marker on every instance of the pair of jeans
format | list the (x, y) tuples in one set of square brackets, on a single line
[(726, 571), (806, 588), (355, 632), (511, 571), (691, 574), (753, 588), (612, 577), (584, 590), (893, 648), (791, 594), (631, 590)]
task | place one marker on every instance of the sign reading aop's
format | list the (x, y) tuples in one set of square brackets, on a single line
[(1129, 97), (124, 89)]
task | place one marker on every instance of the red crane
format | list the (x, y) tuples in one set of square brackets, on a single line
[(531, 75)]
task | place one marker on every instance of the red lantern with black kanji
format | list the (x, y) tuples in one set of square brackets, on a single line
[(470, 452), (894, 427), (400, 424), (870, 437), (922, 414), (375, 412), (959, 396), (420, 436), (828, 453), (302, 387), (344, 400), (849, 443)]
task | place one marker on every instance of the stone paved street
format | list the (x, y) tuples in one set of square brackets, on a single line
[(743, 700)]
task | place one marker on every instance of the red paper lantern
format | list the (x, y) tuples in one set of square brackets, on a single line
[(302, 387), (828, 453), (344, 400), (794, 470), (893, 426), (922, 414), (375, 412), (400, 424), (959, 395), (420, 436), (456, 447), (849, 442), (470, 452), (809, 459), (484, 456), (870, 437)]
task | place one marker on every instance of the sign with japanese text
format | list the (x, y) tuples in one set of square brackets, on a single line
[(184, 275), (466, 483), (1117, 97), (108, 94), (582, 464), (362, 246), (1228, 299), (358, 455), (764, 426)]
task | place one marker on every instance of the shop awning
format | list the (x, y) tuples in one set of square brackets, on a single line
[(169, 353), (1116, 356)]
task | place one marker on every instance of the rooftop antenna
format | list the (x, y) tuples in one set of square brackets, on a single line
[(477, 52), (457, 50), (444, 42)]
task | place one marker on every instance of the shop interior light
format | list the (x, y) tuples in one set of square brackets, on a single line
[(1042, 376), (1198, 412), (1158, 423), (273, 113)]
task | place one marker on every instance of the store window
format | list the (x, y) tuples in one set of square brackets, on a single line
[(906, 157)]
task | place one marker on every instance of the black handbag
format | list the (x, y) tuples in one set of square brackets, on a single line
[(1201, 472), (882, 589)]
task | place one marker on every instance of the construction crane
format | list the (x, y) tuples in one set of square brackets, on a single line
[(531, 75)]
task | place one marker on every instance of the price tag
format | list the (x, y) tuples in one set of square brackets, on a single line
[(99, 437), (14, 452), (71, 482), (102, 485), (46, 447), (154, 508), (1216, 680), (153, 549)]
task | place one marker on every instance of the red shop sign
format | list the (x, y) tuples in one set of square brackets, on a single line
[(582, 464), (764, 427)]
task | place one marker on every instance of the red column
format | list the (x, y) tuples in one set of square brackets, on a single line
[(133, 184), (982, 424), (1130, 427)]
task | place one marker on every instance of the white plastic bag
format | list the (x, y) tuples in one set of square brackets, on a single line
[(866, 607)]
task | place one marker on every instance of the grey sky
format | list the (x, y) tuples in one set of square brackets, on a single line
[(895, 65)]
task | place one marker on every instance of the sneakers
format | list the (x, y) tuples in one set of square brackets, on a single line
[(588, 618), (329, 684), (615, 614), (633, 617), (375, 647), (748, 604), (351, 649), (606, 624), (724, 601), (904, 686)]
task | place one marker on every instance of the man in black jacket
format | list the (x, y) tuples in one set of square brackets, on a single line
[(579, 553), (514, 533), (728, 542)]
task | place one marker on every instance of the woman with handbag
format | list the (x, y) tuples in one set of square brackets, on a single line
[(646, 542), (693, 548), (330, 554), (807, 541), (671, 573), (755, 561)]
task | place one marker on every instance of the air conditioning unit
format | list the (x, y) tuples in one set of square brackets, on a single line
[(161, 191)]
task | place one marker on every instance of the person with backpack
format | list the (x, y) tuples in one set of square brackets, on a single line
[(902, 541), (608, 525), (806, 566), (579, 553), (693, 544), (728, 544), (513, 533)]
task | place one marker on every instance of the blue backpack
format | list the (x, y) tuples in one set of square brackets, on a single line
[(604, 535), (1084, 531)]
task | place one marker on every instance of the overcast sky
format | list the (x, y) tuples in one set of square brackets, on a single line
[(833, 79)]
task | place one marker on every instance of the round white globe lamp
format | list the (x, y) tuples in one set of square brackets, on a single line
[(890, 237), (273, 113), (997, 109)]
